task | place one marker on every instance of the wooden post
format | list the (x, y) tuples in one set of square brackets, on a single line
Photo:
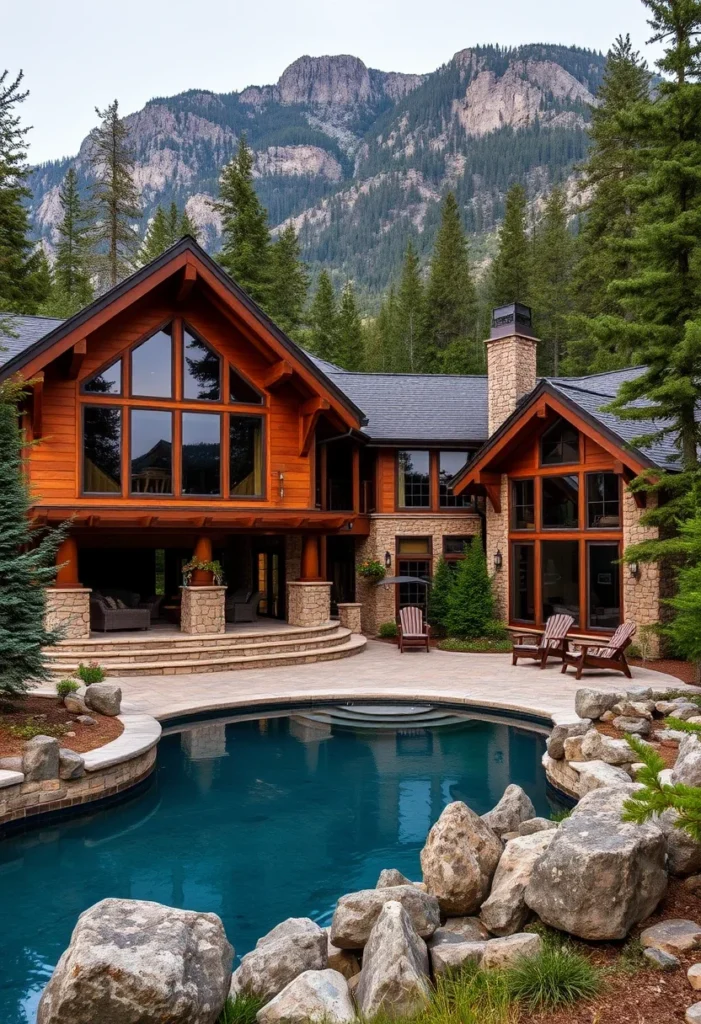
[(310, 557), (67, 560), (203, 553), (356, 479)]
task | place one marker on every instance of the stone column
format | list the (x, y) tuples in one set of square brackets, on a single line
[(350, 616), (498, 540), (641, 593), (308, 603), (202, 610), (68, 609)]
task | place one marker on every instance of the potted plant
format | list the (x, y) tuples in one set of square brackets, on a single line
[(372, 570), (197, 573)]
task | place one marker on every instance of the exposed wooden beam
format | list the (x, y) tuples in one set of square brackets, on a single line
[(37, 404), (308, 419), (187, 282), (279, 373), (78, 353), (492, 485)]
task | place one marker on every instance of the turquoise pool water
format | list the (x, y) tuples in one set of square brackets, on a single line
[(255, 820)]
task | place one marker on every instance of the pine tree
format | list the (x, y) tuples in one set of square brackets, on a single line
[(451, 301), (657, 796), (512, 270), (439, 595), (323, 319), (115, 197), (349, 332), (71, 286), (22, 281), (684, 629), (159, 235), (290, 282), (471, 600), (382, 347), (411, 316), (550, 290), (245, 252), (26, 566), (187, 226)]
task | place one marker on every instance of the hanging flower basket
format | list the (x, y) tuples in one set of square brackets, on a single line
[(372, 570), (197, 573)]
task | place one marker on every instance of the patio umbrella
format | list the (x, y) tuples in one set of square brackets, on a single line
[(404, 579)]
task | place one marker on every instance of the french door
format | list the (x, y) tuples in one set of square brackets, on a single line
[(268, 576)]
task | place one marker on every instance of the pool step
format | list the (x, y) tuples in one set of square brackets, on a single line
[(394, 718)]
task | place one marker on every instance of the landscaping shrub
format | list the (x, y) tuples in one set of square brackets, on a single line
[(477, 646), (556, 976), (91, 673), (470, 996), (439, 595), (471, 601), (31, 729), (66, 686), (241, 1010), (388, 630)]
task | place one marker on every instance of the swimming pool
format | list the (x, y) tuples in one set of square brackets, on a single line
[(257, 820)]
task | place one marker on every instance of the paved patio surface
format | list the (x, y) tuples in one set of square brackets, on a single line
[(381, 672)]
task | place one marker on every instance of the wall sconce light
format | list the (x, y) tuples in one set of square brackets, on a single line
[(281, 480), (634, 569), (388, 560), (497, 560)]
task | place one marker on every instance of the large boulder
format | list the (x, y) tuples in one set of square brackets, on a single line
[(556, 740), (70, 764), (394, 979), (40, 759), (589, 703), (673, 936), (600, 875), (508, 951), (355, 914), (136, 962), (454, 956), (464, 929), (597, 747), (320, 997), (279, 959), (688, 765), (459, 859), (505, 912), (514, 807), (634, 726), (105, 698), (683, 852), (598, 775), (74, 703)]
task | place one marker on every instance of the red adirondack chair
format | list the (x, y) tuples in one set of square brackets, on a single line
[(552, 643), (413, 631), (593, 655)]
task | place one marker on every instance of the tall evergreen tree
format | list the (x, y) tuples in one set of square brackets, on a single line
[(551, 285), (471, 598), (22, 283), (115, 197), (512, 270), (246, 248), (186, 225), (71, 276), (382, 352), (159, 235), (451, 301), (411, 316), (323, 319), (349, 332), (290, 282)]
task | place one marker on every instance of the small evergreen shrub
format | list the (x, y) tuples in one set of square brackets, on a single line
[(557, 976), (91, 673), (66, 686), (241, 1010), (388, 630), (439, 595), (471, 601)]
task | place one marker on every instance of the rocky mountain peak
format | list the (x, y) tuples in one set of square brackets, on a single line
[(342, 80)]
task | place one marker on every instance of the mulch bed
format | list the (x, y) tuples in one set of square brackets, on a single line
[(52, 713), (683, 670)]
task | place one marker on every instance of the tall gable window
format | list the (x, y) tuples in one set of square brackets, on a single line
[(241, 391), (152, 365), (559, 444), (102, 448), (201, 370), (107, 382)]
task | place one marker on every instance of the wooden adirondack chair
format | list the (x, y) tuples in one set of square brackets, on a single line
[(593, 655), (553, 642), (413, 631)]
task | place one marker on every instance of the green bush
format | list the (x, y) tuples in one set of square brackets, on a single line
[(91, 673), (241, 1010), (558, 975), (387, 630), (476, 646), (66, 686), (29, 730), (471, 601), (439, 594), (469, 996)]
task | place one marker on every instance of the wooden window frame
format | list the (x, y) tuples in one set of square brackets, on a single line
[(203, 412), (96, 373), (432, 484), (450, 556), (556, 465), (81, 451), (185, 326), (176, 338), (264, 449), (526, 530), (602, 472), (560, 529), (428, 558), (524, 541), (176, 436), (589, 543)]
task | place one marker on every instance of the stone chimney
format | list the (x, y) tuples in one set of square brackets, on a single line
[(511, 361)]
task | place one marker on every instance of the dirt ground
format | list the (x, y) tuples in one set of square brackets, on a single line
[(50, 713)]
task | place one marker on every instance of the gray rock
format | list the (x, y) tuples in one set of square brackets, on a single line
[(676, 935), (86, 720), (10, 764), (573, 748), (688, 765), (556, 739), (637, 693), (608, 716), (105, 698), (597, 775), (137, 961), (634, 709), (345, 961), (529, 828), (468, 929), (671, 734), (600, 875), (505, 911), (40, 759), (693, 974), (459, 859), (597, 747), (663, 961), (394, 978), (390, 877), (664, 707), (505, 952), (320, 997), (74, 703), (275, 962), (70, 764), (514, 807), (289, 927), (685, 712), (355, 914), (635, 726), (693, 884), (589, 703), (693, 1014), (683, 852), (454, 956)]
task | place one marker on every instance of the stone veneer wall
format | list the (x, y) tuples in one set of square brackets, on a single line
[(293, 556), (202, 610), (30, 798), (350, 617), (511, 373), (379, 602), (498, 540), (641, 594), (308, 603), (69, 610)]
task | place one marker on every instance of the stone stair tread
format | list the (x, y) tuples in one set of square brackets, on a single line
[(92, 644)]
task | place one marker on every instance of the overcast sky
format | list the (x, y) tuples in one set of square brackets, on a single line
[(78, 54)]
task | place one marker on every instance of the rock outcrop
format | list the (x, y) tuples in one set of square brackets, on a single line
[(513, 809), (394, 979), (505, 911), (459, 859), (40, 759), (318, 997), (280, 957), (356, 913)]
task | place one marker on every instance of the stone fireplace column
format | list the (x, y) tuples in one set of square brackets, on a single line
[(67, 602), (309, 598)]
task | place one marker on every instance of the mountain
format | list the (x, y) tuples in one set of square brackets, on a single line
[(358, 158)]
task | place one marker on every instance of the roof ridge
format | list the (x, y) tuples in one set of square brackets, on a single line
[(602, 373), (32, 316), (573, 387), (390, 373)]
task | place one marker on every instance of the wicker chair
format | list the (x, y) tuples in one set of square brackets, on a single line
[(552, 643), (107, 619), (413, 631), (593, 655), (244, 611)]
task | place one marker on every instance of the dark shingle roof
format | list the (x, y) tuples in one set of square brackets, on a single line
[(19, 332)]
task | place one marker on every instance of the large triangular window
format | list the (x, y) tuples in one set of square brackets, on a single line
[(152, 365), (241, 391), (201, 370), (108, 381)]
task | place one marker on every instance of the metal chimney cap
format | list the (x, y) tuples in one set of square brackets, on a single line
[(514, 318)]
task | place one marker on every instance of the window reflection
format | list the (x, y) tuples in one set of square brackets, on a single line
[(102, 449), (246, 455), (201, 453), (151, 452), (201, 371), (106, 382), (560, 578), (241, 391), (414, 486), (560, 443), (560, 502), (449, 464), (152, 366)]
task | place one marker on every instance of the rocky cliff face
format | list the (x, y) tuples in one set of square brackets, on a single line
[(357, 158)]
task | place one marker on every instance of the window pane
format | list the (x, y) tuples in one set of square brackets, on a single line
[(523, 588), (522, 507), (455, 545), (560, 568), (152, 366), (604, 586), (413, 546), (560, 502), (603, 506), (102, 449), (450, 463), (559, 443), (246, 455), (241, 391), (414, 486), (151, 452), (414, 593), (201, 370), (201, 453), (106, 382)]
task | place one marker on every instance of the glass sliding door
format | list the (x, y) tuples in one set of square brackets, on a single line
[(560, 578), (523, 588), (603, 586)]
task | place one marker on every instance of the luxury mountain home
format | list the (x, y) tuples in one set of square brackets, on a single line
[(172, 418)]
